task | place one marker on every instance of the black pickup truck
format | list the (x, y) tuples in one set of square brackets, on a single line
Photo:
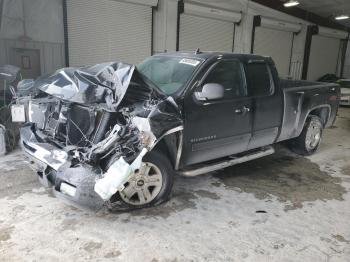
[(115, 134)]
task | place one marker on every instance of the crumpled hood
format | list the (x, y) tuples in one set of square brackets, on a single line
[(114, 86), (106, 83)]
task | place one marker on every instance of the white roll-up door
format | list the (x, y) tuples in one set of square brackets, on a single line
[(205, 33), (108, 30), (207, 28), (325, 52), (323, 56), (275, 38), (277, 44)]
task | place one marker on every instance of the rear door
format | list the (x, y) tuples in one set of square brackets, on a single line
[(267, 104), (222, 127)]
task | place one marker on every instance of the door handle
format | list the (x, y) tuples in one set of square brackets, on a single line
[(242, 110)]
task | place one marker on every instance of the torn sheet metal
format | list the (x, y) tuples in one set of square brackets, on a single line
[(144, 126), (44, 152)]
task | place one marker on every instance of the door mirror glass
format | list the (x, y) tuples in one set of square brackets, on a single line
[(210, 91)]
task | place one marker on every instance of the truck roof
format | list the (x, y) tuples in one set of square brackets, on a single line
[(209, 55)]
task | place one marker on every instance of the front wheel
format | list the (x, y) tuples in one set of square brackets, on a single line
[(309, 140), (150, 185)]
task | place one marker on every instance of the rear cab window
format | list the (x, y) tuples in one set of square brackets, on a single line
[(259, 79)]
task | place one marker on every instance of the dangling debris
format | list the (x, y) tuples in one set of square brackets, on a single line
[(117, 175)]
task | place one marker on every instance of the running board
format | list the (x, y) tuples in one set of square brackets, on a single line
[(220, 165)]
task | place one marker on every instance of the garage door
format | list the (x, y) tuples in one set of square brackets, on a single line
[(206, 34), (325, 52), (277, 44), (275, 38), (108, 30), (207, 28)]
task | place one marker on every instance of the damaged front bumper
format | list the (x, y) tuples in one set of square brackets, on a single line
[(53, 166)]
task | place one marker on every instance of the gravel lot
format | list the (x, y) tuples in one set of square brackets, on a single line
[(279, 208)]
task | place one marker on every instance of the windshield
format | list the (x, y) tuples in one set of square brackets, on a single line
[(169, 73)]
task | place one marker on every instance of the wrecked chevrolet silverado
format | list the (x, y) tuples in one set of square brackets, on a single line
[(114, 134)]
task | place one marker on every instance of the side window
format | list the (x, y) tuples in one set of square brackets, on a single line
[(229, 74), (258, 79)]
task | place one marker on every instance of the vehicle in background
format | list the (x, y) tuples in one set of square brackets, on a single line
[(329, 78), (187, 113), (344, 91), (344, 87)]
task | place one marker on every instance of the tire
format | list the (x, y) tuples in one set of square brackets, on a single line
[(158, 163), (310, 138)]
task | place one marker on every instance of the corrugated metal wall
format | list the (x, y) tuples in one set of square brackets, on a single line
[(105, 30), (277, 44), (33, 25), (205, 33), (51, 54), (323, 57)]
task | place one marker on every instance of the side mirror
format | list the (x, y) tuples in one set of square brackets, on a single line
[(210, 91)]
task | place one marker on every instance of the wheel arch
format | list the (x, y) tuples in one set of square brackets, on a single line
[(322, 111), (171, 145)]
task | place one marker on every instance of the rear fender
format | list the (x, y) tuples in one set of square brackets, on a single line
[(322, 111)]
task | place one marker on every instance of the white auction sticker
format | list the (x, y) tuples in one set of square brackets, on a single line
[(191, 62)]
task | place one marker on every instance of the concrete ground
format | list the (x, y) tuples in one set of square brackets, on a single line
[(278, 208)]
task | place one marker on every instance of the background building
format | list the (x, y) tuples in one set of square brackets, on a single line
[(42, 35)]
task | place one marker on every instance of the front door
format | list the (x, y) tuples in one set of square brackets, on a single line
[(219, 127)]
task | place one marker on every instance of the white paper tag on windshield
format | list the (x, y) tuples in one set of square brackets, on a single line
[(191, 62)]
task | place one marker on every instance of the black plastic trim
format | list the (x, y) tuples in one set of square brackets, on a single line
[(1, 11), (180, 10), (343, 55), (152, 28), (65, 32), (256, 22), (311, 30)]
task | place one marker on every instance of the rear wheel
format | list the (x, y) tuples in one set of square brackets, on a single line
[(309, 140), (150, 185)]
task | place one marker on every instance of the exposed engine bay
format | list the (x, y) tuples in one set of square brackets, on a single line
[(83, 120)]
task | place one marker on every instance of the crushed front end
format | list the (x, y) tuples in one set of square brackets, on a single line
[(80, 121)]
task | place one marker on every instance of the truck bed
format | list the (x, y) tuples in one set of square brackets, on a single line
[(286, 84), (303, 97)]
